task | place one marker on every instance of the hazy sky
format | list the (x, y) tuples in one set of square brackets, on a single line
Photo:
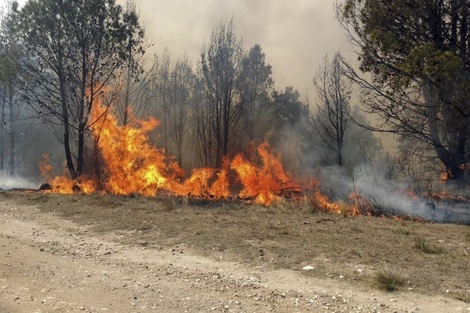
[(294, 34)]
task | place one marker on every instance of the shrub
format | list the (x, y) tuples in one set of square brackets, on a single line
[(388, 280)]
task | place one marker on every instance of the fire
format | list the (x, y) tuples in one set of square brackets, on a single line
[(45, 168), (263, 183), (131, 164)]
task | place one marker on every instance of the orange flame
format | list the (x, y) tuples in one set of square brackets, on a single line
[(132, 165), (45, 168), (261, 183)]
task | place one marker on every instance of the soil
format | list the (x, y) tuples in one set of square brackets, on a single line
[(121, 254)]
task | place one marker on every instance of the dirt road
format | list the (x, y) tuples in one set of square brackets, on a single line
[(48, 264)]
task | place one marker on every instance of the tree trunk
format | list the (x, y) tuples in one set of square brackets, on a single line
[(11, 163), (2, 134), (340, 153), (127, 92), (453, 156), (81, 149), (65, 116)]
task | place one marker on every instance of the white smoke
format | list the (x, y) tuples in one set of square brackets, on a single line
[(390, 198), (8, 182)]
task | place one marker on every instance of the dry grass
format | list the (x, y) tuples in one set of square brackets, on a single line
[(287, 235), (388, 280), (462, 295), (422, 245)]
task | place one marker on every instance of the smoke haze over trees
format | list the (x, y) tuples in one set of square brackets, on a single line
[(211, 104)]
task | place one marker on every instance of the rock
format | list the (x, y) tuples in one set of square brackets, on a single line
[(45, 186), (308, 268)]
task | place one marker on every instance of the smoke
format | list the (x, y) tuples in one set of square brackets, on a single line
[(8, 182), (294, 34), (390, 198)]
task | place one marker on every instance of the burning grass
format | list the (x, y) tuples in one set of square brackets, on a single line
[(127, 163)]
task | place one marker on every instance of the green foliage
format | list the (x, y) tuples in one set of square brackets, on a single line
[(428, 61), (288, 110), (418, 55), (76, 48)]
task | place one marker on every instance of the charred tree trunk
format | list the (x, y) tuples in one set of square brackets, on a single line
[(81, 149), (128, 88), (65, 118)]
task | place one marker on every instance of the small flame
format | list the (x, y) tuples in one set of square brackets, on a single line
[(45, 168)]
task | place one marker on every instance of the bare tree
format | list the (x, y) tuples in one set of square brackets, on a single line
[(162, 81), (135, 82), (221, 67), (332, 120), (12, 55), (202, 131)]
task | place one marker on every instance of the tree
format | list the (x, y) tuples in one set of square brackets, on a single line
[(11, 76), (258, 86), (289, 126), (417, 53), (221, 68), (361, 147), (287, 108), (134, 77), (175, 83), (201, 128), (161, 85), (76, 48), (332, 121)]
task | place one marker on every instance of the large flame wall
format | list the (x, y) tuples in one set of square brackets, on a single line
[(130, 164)]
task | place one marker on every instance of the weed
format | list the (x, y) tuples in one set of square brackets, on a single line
[(388, 280), (423, 246)]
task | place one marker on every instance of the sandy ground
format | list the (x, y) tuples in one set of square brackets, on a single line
[(48, 264)]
